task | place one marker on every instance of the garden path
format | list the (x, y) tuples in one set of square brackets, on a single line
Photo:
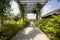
[(31, 32)]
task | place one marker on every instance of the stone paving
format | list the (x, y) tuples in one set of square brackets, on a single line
[(31, 32)]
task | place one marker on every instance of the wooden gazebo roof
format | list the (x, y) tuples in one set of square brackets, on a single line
[(31, 4), (32, 1)]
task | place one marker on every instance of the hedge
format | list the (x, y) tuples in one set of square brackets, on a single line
[(10, 28), (50, 26)]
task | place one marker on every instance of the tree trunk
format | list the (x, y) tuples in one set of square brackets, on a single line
[(1, 22), (36, 16), (23, 16)]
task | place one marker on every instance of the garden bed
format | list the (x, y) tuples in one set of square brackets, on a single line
[(50, 26), (10, 28)]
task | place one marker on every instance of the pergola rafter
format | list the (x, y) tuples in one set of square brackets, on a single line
[(32, 6)]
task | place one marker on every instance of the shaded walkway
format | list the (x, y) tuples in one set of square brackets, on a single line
[(30, 33)]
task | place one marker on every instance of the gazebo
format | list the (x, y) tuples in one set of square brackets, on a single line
[(32, 6)]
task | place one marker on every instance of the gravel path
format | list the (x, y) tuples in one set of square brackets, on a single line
[(31, 32)]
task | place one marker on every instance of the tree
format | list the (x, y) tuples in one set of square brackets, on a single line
[(17, 17), (3, 6), (38, 6), (21, 7)]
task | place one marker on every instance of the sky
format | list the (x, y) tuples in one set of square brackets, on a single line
[(50, 6), (31, 16)]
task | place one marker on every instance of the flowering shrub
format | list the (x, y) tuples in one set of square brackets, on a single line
[(50, 26), (11, 28)]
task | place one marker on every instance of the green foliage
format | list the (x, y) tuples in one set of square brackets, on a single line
[(51, 26), (11, 28), (16, 18), (4, 4), (38, 11)]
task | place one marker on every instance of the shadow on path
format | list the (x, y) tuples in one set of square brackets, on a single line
[(29, 33)]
